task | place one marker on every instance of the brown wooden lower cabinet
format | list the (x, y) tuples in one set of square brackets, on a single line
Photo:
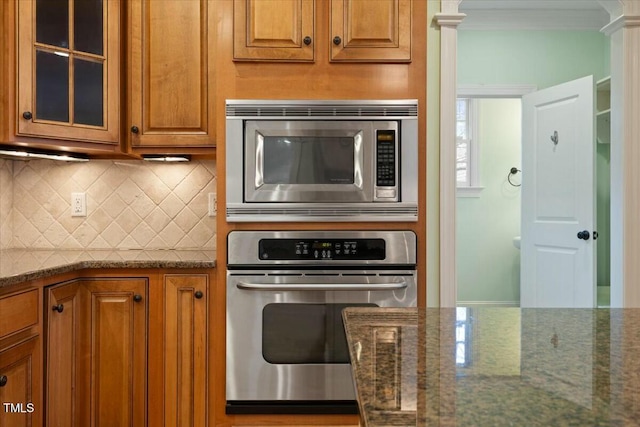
[(185, 350), (19, 380), (96, 353), (103, 351)]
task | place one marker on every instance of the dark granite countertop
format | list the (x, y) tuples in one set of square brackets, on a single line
[(496, 366), (21, 265)]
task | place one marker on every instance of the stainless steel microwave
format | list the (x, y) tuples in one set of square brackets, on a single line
[(321, 160)]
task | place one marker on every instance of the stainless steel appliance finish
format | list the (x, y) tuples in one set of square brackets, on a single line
[(285, 338), (322, 160)]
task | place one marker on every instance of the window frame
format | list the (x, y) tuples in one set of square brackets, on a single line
[(473, 188)]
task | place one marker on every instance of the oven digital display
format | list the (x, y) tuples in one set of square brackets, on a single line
[(327, 249)]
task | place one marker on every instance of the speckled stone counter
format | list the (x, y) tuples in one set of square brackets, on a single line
[(495, 366), (18, 265)]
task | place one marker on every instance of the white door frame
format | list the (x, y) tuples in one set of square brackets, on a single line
[(624, 31)]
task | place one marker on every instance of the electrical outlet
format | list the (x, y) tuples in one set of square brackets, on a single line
[(78, 204), (213, 204)]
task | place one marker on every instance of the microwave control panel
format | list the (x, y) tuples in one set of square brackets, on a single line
[(325, 249), (385, 158)]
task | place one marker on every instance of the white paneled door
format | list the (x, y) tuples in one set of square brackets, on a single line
[(557, 247)]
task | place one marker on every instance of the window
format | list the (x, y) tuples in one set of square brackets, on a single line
[(467, 159)]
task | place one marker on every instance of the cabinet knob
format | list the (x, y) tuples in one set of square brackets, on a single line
[(307, 40), (137, 297), (3, 380), (134, 129), (27, 115), (198, 294), (58, 308), (337, 40)]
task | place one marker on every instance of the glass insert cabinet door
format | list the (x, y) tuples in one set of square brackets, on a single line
[(68, 78)]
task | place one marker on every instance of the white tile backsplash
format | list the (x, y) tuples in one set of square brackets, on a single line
[(130, 205), (6, 201)]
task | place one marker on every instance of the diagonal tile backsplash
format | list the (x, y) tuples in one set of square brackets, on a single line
[(130, 205), (6, 199)]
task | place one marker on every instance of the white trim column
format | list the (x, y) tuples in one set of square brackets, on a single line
[(624, 31), (448, 19)]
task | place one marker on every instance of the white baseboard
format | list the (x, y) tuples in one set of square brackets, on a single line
[(488, 303)]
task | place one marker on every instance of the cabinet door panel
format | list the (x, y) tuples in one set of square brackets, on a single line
[(171, 69), (96, 353), (53, 95), (185, 349), (118, 352), (371, 31), (273, 30), (20, 369), (62, 349)]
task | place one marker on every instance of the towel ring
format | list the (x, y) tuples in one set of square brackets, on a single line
[(513, 171)]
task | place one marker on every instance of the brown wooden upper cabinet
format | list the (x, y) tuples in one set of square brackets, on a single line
[(371, 31), (273, 30), (171, 54), (66, 79), (360, 30)]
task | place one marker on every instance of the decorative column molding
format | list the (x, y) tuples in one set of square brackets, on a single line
[(619, 23), (448, 20), (624, 33)]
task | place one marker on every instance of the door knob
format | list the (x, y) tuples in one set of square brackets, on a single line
[(199, 294), (337, 40), (58, 308), (584, 235), (3, 380), (137, 297)]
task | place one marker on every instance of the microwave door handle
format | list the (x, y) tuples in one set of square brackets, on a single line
[(322, 287)]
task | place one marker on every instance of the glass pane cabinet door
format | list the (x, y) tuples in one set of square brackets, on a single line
[(68, 56)]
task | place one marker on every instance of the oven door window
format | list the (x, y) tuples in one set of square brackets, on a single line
[(305, 333)]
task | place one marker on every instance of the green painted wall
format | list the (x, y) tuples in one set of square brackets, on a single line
[(541, 58), (488, 267)]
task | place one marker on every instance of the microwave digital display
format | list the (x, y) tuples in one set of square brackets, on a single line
[(308, 160)]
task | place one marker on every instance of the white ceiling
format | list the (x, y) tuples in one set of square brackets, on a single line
[(533, 15)]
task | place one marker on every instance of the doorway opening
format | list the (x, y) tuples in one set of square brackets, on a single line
[(489, 205), (489, 132)]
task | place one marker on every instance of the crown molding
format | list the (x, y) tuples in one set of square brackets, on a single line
[(521, 19), (621, 22)]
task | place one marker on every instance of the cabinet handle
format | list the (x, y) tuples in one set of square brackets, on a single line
[(134, 129), (3, 380), (58, 308), (307, 40), (337, 40), (27, 115), (137, 297), (198, 294)]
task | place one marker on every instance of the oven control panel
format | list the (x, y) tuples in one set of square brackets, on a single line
[(322, 249)]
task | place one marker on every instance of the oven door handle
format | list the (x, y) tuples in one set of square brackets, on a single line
[(322, 286)]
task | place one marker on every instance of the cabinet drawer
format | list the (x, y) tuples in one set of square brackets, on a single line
[(19, 311)]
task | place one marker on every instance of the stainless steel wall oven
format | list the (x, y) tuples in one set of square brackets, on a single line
[(322, 160), (286, 346)]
